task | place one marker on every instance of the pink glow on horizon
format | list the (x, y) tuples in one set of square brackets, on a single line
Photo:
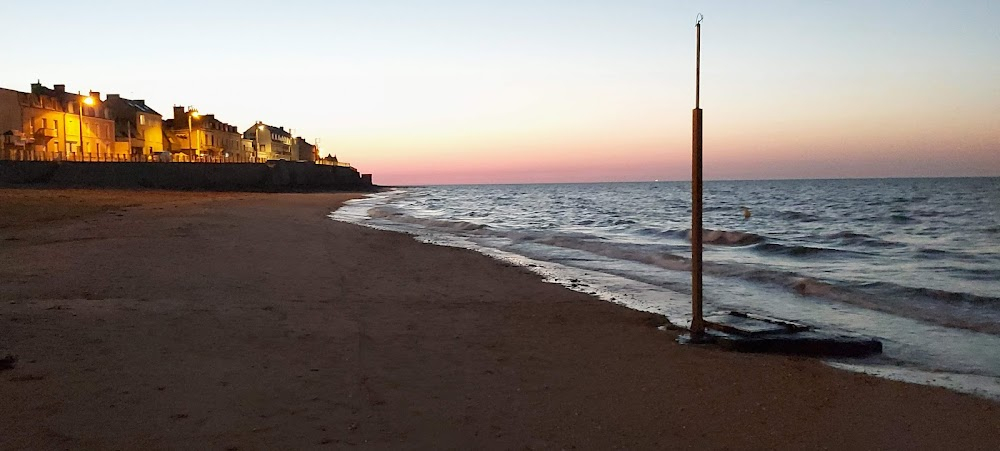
[(449, 92)]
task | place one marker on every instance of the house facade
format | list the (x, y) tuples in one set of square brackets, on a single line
[(138, 128), (54, 124), (202, 135), (271, 143), (303, 151)]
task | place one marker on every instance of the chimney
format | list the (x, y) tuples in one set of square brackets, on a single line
[(96, 95), (178, 112), (59, 88), (113, 96), (140, 102)]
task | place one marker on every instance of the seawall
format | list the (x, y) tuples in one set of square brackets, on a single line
[(271, 176)]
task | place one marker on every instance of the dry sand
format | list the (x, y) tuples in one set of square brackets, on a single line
[(251, 321)]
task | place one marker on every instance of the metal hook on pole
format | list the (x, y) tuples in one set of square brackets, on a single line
[(698, 19)]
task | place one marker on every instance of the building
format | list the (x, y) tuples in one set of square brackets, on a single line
[(14, 140), (48, 124), (248, 148), (203, 135), (138, 128), (271, 143), (303, 151)]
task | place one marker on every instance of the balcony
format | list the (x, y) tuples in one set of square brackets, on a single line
[(46, 133)]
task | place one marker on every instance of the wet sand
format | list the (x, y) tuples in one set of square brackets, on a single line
[(251, 321)]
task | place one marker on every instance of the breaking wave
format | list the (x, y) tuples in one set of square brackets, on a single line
[(729, 238), (396, 215)]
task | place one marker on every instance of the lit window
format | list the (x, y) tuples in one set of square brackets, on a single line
[(142, 120)]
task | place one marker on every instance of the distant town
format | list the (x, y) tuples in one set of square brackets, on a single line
[(51, 124)]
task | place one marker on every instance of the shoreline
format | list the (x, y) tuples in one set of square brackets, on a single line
[(594, 259), (252, 320)]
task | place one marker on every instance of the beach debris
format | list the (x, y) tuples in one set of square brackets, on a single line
[(27, 378), (7, 359), (747, 332)]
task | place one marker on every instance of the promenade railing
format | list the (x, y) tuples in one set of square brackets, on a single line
[(29, 155), (333, 163)]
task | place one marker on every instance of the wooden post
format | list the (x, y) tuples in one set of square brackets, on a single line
[(697, 322)]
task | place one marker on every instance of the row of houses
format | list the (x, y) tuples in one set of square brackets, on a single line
[(55, 124)]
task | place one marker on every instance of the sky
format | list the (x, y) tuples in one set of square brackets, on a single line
[(516, 91)]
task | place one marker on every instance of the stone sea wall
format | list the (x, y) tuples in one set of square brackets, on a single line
[(271, 176)]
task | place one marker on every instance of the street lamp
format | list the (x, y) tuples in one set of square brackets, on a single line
[(192, 113), (88, 100), (256, 138)]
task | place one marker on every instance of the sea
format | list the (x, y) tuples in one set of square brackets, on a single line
[(912, 262)]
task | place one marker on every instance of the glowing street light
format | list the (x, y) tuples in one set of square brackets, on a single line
[(256, 138), (192, 113), (89, 101)]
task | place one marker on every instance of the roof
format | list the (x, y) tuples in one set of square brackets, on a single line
[(280, 131), (139, 105)]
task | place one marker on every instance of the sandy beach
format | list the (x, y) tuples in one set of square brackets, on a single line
[(182, 320)]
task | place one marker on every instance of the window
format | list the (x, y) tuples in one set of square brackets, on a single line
[(142, 119), (45, 123), (55, 124)]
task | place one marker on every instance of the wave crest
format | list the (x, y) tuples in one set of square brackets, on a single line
[(728, 238)]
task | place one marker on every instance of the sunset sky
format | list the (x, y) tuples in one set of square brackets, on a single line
[(447, 91)]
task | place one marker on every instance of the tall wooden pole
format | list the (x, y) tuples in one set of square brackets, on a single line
[(697, 323)]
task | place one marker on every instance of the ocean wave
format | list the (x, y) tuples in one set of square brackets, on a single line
[(928, 253), (728, 238), (619, 251), (682, 234), (946, 308), (796, 250), (900, 218), (797, 216), (848, 238), (984, 274), (396, 215), (929, 213), (950, 297)]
